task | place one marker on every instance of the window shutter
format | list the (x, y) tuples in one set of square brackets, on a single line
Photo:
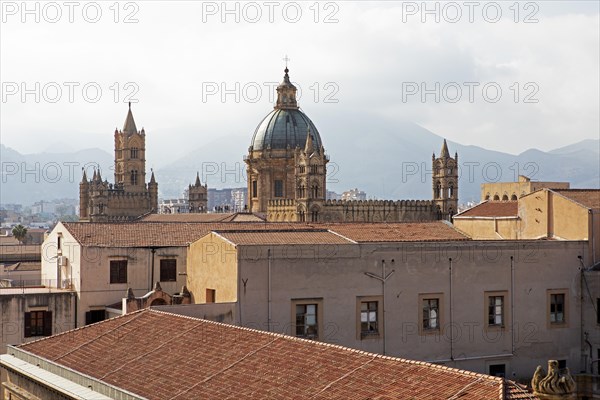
[(48, 323), (27, 324)]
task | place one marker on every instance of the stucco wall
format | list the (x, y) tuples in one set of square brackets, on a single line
[(212, 264), (337, 280), (15, 305)]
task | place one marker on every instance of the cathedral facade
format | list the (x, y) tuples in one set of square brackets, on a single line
[(287, 175), (130, 196)]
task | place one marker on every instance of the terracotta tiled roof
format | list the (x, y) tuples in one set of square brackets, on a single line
[(492, 209), (166, 356), (155, 234), (313, 237), (587, 197), (397, 232), (24, 266), (245, 217), (167, 234), (192, 217)]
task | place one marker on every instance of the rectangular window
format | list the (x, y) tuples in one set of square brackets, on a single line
[(93, 316), (118, 271), (168, 270), (498, 370), (431, 314), (496, 310), (278, 188), (134, 152), (306, 321), (211, 295), (254, 189), (368, 318), (38, 323), (557, 308)]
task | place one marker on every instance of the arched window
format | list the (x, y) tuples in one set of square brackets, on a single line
[(315, 191), (451, 191), (513, 197), (487, 196), (505, 198), (496, 197), (438, 190), (134, 177)]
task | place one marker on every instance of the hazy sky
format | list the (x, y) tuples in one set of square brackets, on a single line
[(507, 76)]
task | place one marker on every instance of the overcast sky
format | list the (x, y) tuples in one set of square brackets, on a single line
[(390, 60)]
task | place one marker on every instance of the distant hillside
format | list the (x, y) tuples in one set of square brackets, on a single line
[(386, 160), (390, 161), (27, 178)]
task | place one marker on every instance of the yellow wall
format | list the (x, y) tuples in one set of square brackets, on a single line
[(488, 228), (212, 264)]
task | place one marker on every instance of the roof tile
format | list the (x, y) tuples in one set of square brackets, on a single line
[(193, 358)]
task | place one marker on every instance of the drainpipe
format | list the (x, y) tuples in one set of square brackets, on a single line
[(512, 305), (583, 367), (451, 320), (269, 290), (153, 251), (239, 295)]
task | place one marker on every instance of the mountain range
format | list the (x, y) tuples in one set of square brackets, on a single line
[(387, 161)]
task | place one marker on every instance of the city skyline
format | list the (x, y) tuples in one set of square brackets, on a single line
[(188, 71)]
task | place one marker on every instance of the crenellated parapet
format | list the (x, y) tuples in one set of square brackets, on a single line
[(355, 210)]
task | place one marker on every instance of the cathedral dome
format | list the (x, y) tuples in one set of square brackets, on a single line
[(283, 128), (286, 126)]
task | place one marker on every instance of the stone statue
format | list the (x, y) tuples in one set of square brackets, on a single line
[(554, 385)]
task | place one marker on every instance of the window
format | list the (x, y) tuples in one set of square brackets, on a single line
[(38, 323), (307, 318), (368, 318), (431, 314), (211, 295), (118, 271), (59, 242), (498, 370), (430, 309), (306, 321), (278, 188), (496, 310), (134, 152), (557, 308), (254, 189), (93, 316), (134, 177), (168, 270)]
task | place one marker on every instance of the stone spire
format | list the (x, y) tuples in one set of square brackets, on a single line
[(84, 178), (129, 126), (198, 183), (152, 180), (286, 94), (309, 148), (445, 153)]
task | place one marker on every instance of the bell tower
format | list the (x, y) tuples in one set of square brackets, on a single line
[(445, 182), (130, 156), (311, 173)]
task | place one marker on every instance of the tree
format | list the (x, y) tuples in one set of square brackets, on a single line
[(19, 232)]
